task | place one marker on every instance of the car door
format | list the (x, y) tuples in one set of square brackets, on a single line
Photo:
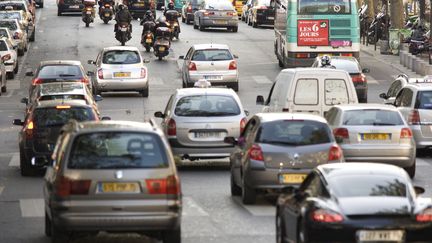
[(403, 102), (186, 61)]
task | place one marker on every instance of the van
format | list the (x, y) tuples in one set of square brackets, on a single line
[(309, 90)]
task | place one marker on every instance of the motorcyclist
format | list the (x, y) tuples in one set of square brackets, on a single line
[(418, 33), (170, 8), (103, 2), (123, 16), (89, 3), (326, 62), (148, 17), (161, 22)]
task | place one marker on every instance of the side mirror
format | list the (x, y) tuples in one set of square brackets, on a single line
[(90, 73), (146, 61), (159, 114), (106, 118), (260, 100), (383, 96), (230, 140), (419, 190), (29, 73), (25, 100), (18, 122), (91, 62), (235, 56), (98, 98), (365, 70), (181, 57)]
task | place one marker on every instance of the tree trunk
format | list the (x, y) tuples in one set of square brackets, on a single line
[(422, 7), (370, 11), (396, 13)]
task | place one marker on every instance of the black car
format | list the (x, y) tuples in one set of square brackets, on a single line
[(261, 12), (75, 6), (354, 202), (41, 128), (137, 8), (188, 10)]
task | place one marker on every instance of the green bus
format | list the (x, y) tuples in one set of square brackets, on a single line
[(306, 29)]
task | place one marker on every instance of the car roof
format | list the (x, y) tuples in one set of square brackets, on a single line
[(308, 70), (60, 62), (274, 116), (205, 91), (364, 168), (95, 126), (362, 106), (122, 48), (420, 86), (55, 88), (54, 103), (210, 46)]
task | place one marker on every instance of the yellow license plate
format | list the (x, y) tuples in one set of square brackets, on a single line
[(161, 48), (376, 136), (149, 41), (112, 187), (121, 75), (292, 178), (107, 15), (139, 4), (324, 54)]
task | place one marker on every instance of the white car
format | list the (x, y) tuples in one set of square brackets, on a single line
[(120, 68), (19, 34), (9, 56), (21, 17)]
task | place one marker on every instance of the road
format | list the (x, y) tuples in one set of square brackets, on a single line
[(210, 213)]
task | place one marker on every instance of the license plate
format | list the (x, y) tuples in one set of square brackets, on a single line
[(74, 6), (220, 22), (106, 14), (88, 12), (292, 178), (380, 235), (324, 54), (375, 136), (118, 187), (208, 134), (149, 41), (161, 48), (270, 18), (122, 75), (213, 77), (139, 4)]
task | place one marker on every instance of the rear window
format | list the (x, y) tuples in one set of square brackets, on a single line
[(372, 118), (222, 5), (294, 132), (47, 117), (117, 150), (60, 71), (63, 97), (264, 2), (212, 55), (4, 33), (336, 92), (10, 15), (121, 57), (306, 92), (11, 25), (347, 65), (15, 6), (367, 186), (207, 105), (3, 46), (424, 100), (324, 7)]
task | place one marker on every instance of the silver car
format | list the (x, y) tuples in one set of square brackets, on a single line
[(21, 17), (112, 176), (214, 13), (373, 133), (277, 150), (196, 121), (120, 68), (213, 62)]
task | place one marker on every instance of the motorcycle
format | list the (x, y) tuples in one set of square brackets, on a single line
[(87, 15), (378, 25), (162, 42), (172, 23), (148, 36), (419, 45), (363, 18), (123, 33), (106, 13)]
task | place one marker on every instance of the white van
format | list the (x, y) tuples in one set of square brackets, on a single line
[(309, 90)]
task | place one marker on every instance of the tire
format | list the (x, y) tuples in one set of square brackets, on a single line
[(106, 21), (248, 194), (183, 20), (281, 64), (4, 89), (302, 235), (147, 48), (48, 226), (33, 36), (188, 21), (58, 236), (10, 75), (145, 92), (59, 12), (160, 57), (16, 69), (21, 52), (26, 169), (194, 25), (280, 232), (235, 189), (242, 18), (201, 28), (172, 236), (235, 29), (249, 21), (41, 5), (411, 170), (87, 24), (235, 87), (255, 24)]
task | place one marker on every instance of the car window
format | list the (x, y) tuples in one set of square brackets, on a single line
[(63, 97), (121, 57), (294, 132), (58, 116), (324, 7), (54, 71), (207, 105), (394, 88), (347, 65), (4, 32), (406, 98), (117, 150), (188, 54), (367, 186), (372, 117), (168, 106), (424, 100), (306, 92), (11, 25), (248, 130), (212, 55), (10, 15), (3, 46), (336, 91)]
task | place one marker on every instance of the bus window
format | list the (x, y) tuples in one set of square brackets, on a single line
[(324, 7)]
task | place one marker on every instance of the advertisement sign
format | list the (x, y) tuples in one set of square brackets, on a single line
[(312, 32)]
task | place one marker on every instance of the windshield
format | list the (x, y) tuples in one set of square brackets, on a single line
[(60, 71), (11, 25), (121, 57), (372, 118), (324, 7), (117, 150), (46, 117), (347, 65), (212, 55), (367, 186), (294, 132), (10, 15), (4, 32), (62, 97), (207, 105)]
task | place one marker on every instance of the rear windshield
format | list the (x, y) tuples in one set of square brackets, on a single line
[(324, 7), (212, 55), (63, 97), (10, 15), (367, 185), (3, 46), (222, 5), (11, 25), (207, 105), (121, 57), (60, 71), (117, 150), (294, 132), (349, 66), (424, 100), (372, 118), (47, 117)]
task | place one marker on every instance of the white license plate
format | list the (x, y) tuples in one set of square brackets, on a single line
[(74, 6), (88, 12), (380, 235), (123, 28), (107, 15), (149, 41), (208, 134), (220, 22), (213, 77), (270, 18)]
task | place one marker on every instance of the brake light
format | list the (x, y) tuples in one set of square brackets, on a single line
[(341, 133), (107, 6), (232, 65), (170, 185), (207, 13), (243, 124), (425, 216), (302, 55), (143, 72), (335, 153), (172, 129), (29, 130), (361, 78), (66, 187), (189, 8), (37, 81), (232, 13), (192, 66), (406, 133), (89, 9), (346, 54), (100, 73), (85, 81), (414, 118), (256, 153), (326, 216), (63, 107)]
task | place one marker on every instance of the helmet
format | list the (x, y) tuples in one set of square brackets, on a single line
[(149, 13), (121, 6), (171, 5), (325, 60)]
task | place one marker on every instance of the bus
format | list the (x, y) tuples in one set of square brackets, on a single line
[(306, 29)]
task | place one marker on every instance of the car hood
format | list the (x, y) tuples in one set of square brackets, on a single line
[(374, 206)]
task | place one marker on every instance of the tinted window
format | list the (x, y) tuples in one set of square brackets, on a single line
[(306, 92), (11, 25), (120, 57), (62, 71), (212, 55), (207, 105), (222, 5), (372, 118), (367, 185), (3, 46), (324, 7), (394, 88), (294, 132), (57, 117), (349, 66), (335, 91), (117, 150), (63, 97), (424, 100)]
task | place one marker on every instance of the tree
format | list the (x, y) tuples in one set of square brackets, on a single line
[(396, 13), (422, 6)]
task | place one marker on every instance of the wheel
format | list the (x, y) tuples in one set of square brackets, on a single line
[(249, 21), (172, 236), (183, 20), (25, 167), (147, 48), (255, 24), (59, 13), (16, 69), (21, 52), (58, 235), (160, 57), (280, 228), (235, 86), (47, 225), (302, 235), (242, 18), (411, 170), (145, 92), (234, 29), (194, 25), (122, 42), (235, 189), (32, 37), (201, 28), (87, 24), (4, 89), (187, 21), (248, 194), (41, 5), (10, 75), (106, 21), (281, 64)]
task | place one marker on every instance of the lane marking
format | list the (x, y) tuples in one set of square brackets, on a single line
[(1, 189), (15, 161), (261, 79), (31, 208), (257, 210), (192, 209)]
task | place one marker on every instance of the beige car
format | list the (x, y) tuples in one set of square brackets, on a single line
[(19, 34), (116, 176)]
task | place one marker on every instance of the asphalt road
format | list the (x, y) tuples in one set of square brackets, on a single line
[(210, 213)]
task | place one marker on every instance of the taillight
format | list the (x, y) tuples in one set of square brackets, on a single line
[(189, 8), (341, 133), (143, 72), (346, 54), (107, 6), (66, 186), (256, 153), (192, 66), (425, 216), (37, 81), (414, 118), (100, 73), (406, 133), (29, 130), (302, 55), (232, 13), (207, 13), (243, 124), (326, 216), (361, 78), (335, 153), (233, 65), (85, 81), (89, 9), (170, 185), (6, 57), (172, 129)]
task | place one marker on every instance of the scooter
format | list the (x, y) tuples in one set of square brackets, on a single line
[(148, 36), (162, 43), (172, 23), (378, 25), (106, 13), (419, 45), (87, 15), (123, 33)]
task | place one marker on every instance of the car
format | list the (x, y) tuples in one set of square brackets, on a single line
[(189, 9), (115, 176), (41, 127), (22, 5), (279, 149), (8, 55), (373, 133), (20, 16), (19, 34), (354, 202), (213, 62), (352, 66), (414, 101), (69, 6), (137, 8), (261, 12), (196, 121), (245, 10), (214, 13), (59, 71), (120, 68), (238, 5), (396, 85)]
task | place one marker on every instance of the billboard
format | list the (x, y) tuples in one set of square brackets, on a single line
[(312, 32)]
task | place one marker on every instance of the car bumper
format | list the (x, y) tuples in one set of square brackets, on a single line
[(10, 67), (361, 92), (121, 85), (216, 23), (227, 77), (30, 153), (200, 152), (264, 20), (70, 8), (421, 141)]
